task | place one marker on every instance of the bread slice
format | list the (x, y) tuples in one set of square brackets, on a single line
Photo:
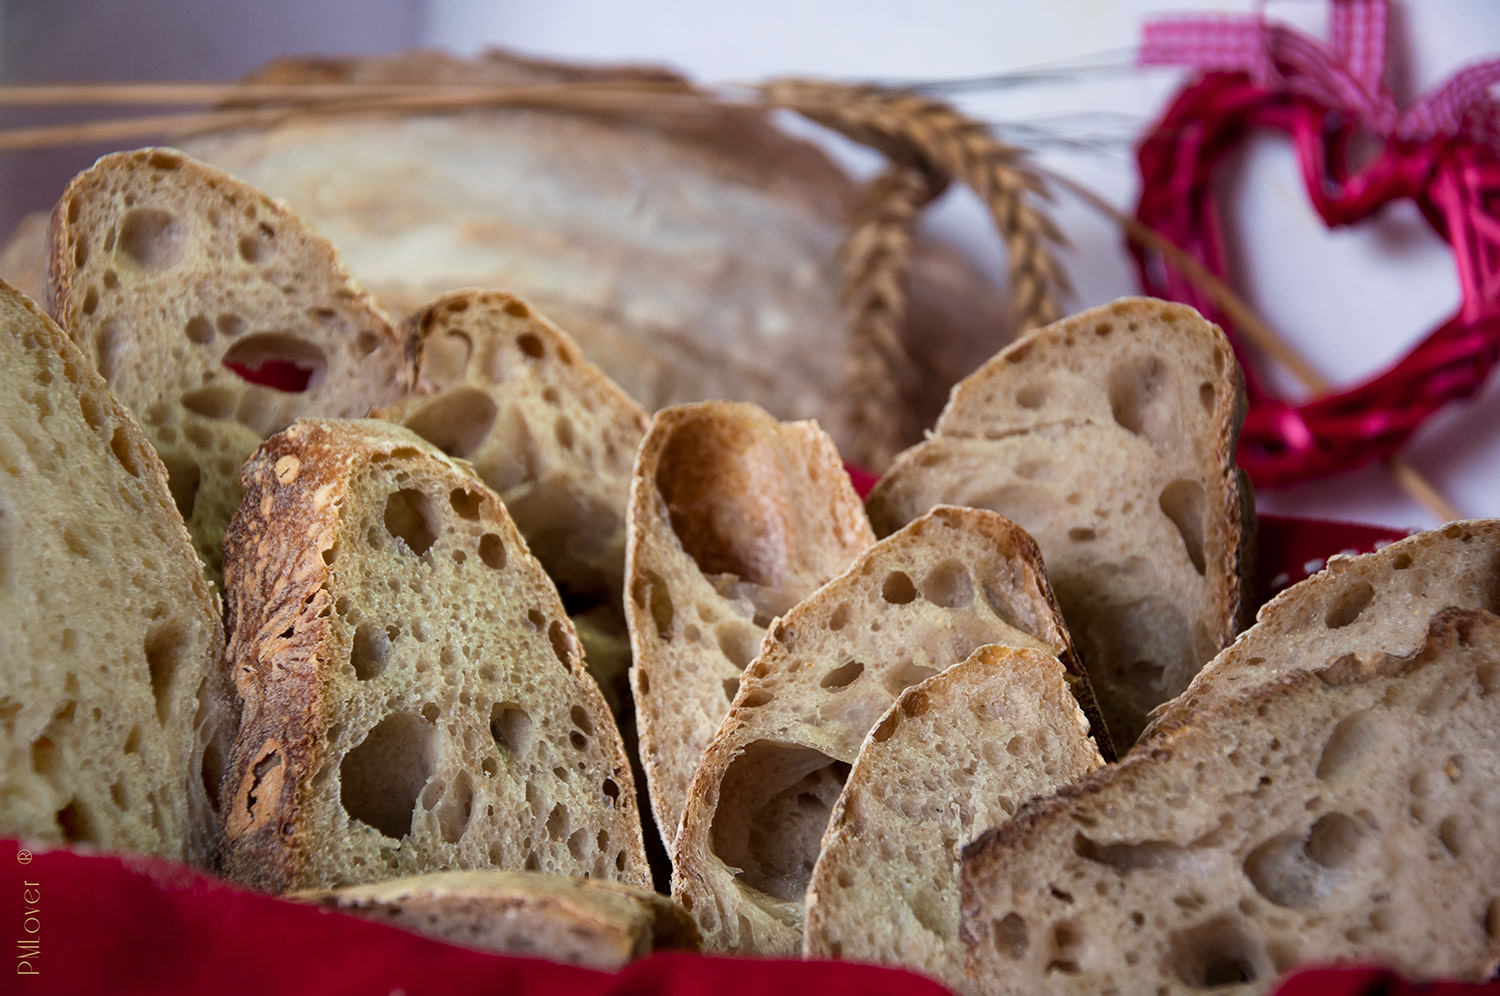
[(913, 605), (505, 389), (180, 281), (1338, 813), (590, 922), (1110, 437), (1366, 606), (415, 697), (734, 518), (115, 708), (954, 756)]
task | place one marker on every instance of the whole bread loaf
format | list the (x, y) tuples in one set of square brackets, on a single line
[(415, 696), (734, 518), (913, 605), (116, 712), (952, 757), (215, 315), (692, 256), (1343, 811), (1109, 436), (579, 921)]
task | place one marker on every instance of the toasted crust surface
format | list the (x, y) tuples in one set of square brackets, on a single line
[(182, 283), (1340, 812), (1110, 437), (590, 922), (953, 756), (734, 518), (415, 696), (913, 605), (115, 709)]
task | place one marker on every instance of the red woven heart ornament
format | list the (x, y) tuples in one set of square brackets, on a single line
[(1442, 153)]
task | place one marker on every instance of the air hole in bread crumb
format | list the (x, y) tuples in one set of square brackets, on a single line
[(370, 651), (756, 697), (949, 584), (90, 301), (199, 330), (564, 644), (125, 451), (277, 360), (167, 650), (111, 280), (557, 822), (886, 728), (1033, 395), (455, 809), (511, 727), (1401, 562), (382, 776), (1354, 739), (774, 803), (898, 588), (650, 591), (1218, 952), (905, 674), (457, 422), (1182, 502), (915, 703), (492, 551), (1349, 603), (465, 503), (258, 245), (152, 238), (46, 759), (77, 823), (843, 675), (1008, 936), (563, 429), (1206, 397), (1138, 397), (580, 717), (412, 521), (839, 618), (1454, 835), (731, 688), (531, 345)]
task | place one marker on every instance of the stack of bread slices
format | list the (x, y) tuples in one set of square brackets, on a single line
[(429, 621)]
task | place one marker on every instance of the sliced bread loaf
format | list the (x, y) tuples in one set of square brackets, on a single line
[(215, 315), (415, 697), (1110, 437), (913, 605), (505, 389), (115, 709), (954, 756), (1366, 606), (734, 518), (1333, 814), (590, 922)]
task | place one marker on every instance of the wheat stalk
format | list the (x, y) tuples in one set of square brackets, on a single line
[(875, 261), (914, 129)]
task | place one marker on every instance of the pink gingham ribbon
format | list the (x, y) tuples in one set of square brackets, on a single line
[(1347, 71)]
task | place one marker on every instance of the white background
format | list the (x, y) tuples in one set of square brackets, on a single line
[(1352, 301)]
